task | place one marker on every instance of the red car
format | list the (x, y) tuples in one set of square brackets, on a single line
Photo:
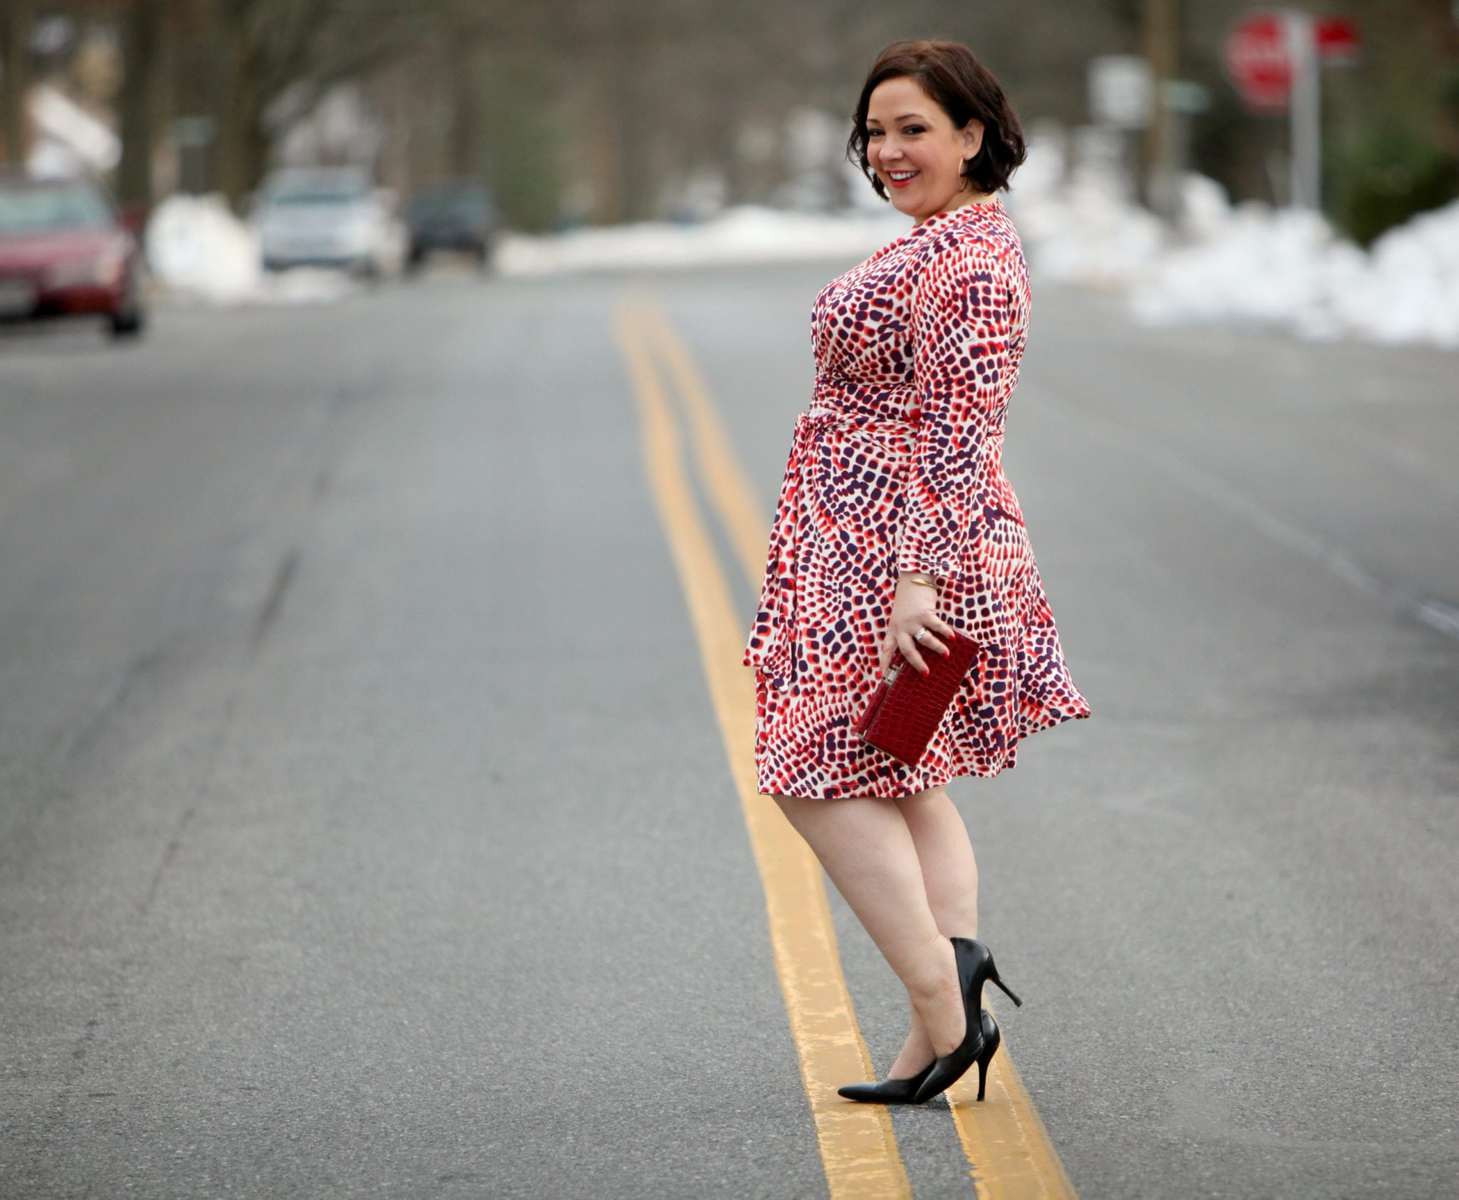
[(64, 251)]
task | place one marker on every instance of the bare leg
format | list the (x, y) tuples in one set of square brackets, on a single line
[(865, 846), (945, 852), (950, 876)]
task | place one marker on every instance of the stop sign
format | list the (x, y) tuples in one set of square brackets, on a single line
[(1259, 60)]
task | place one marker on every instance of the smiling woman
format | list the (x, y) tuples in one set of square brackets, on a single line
[(896, 531), (932, 122)]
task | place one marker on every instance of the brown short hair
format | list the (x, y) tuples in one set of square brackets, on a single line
[(966, 90)]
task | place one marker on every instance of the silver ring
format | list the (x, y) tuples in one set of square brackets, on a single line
[(917, 637)]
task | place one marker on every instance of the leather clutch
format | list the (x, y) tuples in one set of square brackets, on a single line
[(907, 706)]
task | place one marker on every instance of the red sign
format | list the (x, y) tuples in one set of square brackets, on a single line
[(1337, 40), (1260, 64)]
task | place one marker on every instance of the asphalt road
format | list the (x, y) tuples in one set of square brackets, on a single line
[(366, 829)]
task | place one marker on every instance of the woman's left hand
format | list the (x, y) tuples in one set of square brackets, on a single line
[(914, 608)]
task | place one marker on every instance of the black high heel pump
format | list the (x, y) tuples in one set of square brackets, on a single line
[(901, 1090), (974, 966)]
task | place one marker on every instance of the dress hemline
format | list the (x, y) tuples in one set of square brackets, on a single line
[(890, 786)]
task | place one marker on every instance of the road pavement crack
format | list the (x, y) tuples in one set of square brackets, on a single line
[(283, 577)]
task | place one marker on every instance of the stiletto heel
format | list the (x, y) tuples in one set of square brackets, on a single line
[(1004, 986), (992, 1038), (974, 965)]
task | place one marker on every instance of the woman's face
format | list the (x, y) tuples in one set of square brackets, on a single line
[(916, 151)]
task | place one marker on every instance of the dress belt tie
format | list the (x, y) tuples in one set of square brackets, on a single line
[(776, 656)]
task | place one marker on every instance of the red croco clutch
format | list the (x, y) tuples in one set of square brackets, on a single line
[(908, 706)]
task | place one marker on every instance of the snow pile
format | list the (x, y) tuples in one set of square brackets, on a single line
[(195, 245), (1414, 273), (1291, 269), (738, 235), (1086, 234)]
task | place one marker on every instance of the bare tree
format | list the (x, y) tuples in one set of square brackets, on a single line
[(15, 25), (281, 52), (140, 102)]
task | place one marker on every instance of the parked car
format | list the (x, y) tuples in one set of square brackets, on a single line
[(328, 216), (457, 215), (64, 251)]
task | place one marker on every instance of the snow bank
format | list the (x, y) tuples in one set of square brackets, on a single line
[(1086, 234), (1291, 269), (195, 245), (744, 234)]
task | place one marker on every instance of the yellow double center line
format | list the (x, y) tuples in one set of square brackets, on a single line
[(1006, 1145)]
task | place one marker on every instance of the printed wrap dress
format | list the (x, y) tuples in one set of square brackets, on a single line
[(896, 465)]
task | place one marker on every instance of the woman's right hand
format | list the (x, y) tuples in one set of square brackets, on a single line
[(914, 608)]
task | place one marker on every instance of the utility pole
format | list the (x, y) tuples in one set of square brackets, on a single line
[(1161, 44)]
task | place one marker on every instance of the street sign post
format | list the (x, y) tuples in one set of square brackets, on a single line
[(1275, 61)]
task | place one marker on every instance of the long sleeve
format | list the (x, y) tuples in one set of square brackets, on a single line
[(961, 323)]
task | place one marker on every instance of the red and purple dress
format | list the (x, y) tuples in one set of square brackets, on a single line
[(897, 466)]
